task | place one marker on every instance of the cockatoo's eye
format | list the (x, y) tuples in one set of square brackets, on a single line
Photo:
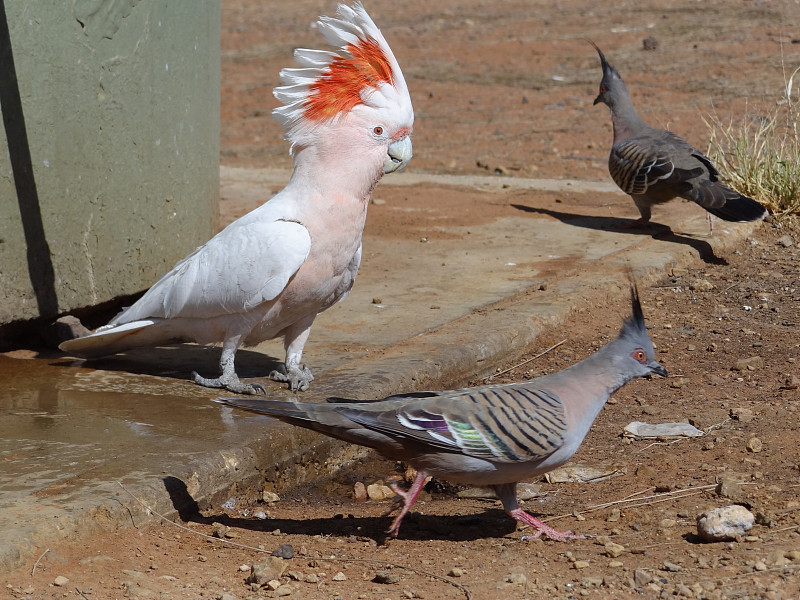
[(377, 130), (639, 356)]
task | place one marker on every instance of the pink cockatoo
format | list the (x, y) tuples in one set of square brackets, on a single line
[(348, 117)]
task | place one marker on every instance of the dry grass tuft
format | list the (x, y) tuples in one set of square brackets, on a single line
[(760, 155)]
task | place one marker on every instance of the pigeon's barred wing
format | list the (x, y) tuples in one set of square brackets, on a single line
[(499, 423), (635, 167), (234, 272)]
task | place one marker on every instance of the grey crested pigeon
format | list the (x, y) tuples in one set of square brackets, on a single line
[(492, 435), (655, 165)]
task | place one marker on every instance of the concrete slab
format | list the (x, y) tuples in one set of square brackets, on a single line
[(438, 299)]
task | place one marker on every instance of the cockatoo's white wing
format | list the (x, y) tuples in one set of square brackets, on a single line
[(244, 265)]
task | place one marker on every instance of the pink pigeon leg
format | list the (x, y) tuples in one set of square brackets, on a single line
[(542, 528), (409, 498), (507, 493)]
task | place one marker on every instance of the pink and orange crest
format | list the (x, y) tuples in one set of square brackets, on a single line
[(339, 88)]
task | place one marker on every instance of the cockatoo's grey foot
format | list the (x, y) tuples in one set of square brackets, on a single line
[(232, 384), (297, 378), (542, 528)]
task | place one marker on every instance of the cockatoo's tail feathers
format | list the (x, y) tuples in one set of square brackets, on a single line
[(328, 84)]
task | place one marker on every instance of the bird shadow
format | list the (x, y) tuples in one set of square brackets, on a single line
[(416, 526), (178, 362), (662, 232)]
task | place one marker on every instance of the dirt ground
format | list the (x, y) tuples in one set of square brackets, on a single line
[(510, 91)]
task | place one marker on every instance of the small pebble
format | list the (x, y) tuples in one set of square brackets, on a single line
[(724, 523), (754, 445), (613, 549), (386, 577), (338, 577), (455, 572), (60, 581)]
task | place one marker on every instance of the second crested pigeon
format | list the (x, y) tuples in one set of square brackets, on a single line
[(492, 435), (655, 165)]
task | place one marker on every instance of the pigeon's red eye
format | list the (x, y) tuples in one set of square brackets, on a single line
[(378, 130), (603, 89), (639, 356)]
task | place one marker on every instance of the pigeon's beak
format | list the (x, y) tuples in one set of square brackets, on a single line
[(398, 155), (597, 100), (658, 369)]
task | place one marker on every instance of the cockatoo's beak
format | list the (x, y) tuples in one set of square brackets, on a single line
[(398, 155)]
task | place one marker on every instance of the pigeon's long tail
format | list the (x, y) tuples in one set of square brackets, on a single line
[(319, 417), (727, 204)]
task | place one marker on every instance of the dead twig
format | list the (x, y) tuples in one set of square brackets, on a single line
[(81, 593), (458, 586), (524, 362), (36, 564)]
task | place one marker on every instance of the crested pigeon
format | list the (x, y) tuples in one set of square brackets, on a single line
[(492, 435), (348, 117), (655, 165)]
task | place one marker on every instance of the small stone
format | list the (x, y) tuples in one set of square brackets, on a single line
[(616, 564), (641, 577), (726, 523), (60, 581), (244, 568), (786, 241), (751, 363), (613, 549), (312, 578), (266, 569), (340, 577), (386, 577), (672, 567), (455, 572), (284, 590), (760, 566), (790, 382), (516, 579), (283, 551), (580, 564), (754, 445), (273, 584), (777, 558), (359, 491), (667, 523), (218, 530), (743, 415), (377, 300), (729, 488), (701, 285), (677, 383), (650, 43), (296, 575), (269, 497), (614, 515), (378, 492)]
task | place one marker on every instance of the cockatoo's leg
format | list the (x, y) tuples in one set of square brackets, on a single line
[(294, 338), (507, 493), (229, 380), (408, 499)]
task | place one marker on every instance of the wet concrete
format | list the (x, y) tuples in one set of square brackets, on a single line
[(433, 305)]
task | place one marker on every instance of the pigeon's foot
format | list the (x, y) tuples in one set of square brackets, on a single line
[(297, 378), (636, 224), (407, 499), (232, 384), (541, 528)]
